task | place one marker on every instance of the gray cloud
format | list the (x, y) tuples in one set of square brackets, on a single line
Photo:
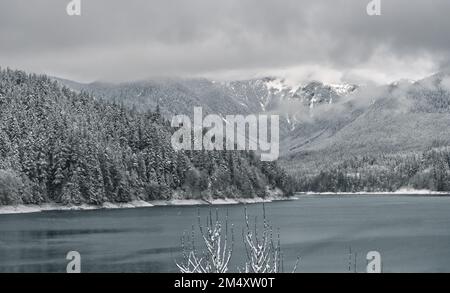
[(125, 40)]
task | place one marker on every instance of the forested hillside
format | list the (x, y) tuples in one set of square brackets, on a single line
[(398, 136), (60, 146), (428, 170)]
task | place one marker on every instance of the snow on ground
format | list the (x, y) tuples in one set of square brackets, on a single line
[(20, 209), (186, 202), (141, 204), (418, 191), (401, 191), (254, 200), (276, 85), (222, 201), (23, 209)]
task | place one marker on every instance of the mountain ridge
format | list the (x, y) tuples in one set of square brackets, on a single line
[(322, 124)]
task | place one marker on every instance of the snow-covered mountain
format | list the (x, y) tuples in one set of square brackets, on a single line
[(398, 118), (319, 122), (309, 94), (264, 95)]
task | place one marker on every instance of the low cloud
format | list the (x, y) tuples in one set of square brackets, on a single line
[(445, 83), (301, 39)]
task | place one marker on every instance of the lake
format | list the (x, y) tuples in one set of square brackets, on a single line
[(412, 234)]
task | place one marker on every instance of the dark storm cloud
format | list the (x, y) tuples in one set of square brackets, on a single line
[(134, 39)]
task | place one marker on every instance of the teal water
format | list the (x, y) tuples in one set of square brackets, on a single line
[(412, 234)]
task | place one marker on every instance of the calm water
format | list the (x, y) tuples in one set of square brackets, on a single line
[(411, 233)]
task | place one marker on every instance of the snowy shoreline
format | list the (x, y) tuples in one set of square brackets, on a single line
[(402, 191), (26, 209)]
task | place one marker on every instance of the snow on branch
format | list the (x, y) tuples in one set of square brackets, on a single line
[(263, 251), (217, 251)]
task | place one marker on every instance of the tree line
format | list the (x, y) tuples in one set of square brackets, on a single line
[(429, 169), (57, 145)]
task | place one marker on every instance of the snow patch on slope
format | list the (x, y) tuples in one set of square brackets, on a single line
[(342, 89), (277, 85)]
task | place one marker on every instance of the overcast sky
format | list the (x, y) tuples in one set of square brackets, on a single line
[(333, 40)]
